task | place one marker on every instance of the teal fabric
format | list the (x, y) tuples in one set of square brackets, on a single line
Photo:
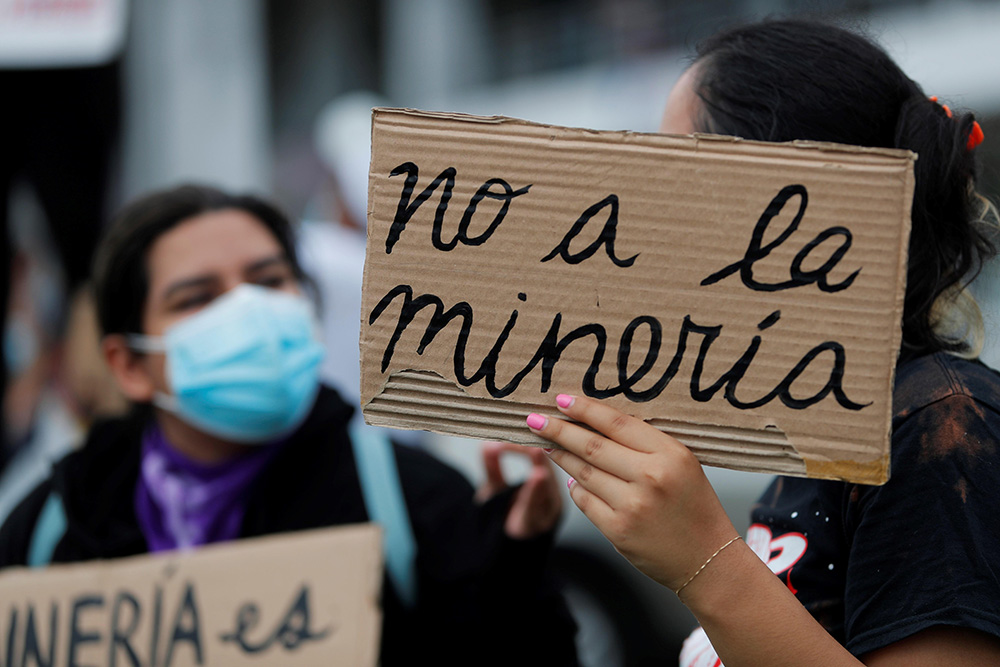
[(49, 529), (386, 506)]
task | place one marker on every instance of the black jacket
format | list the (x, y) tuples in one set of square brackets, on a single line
[(482, 597)]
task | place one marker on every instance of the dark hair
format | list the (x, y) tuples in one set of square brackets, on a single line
[(782, 80), (120, 277)]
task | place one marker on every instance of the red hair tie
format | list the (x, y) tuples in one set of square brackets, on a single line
[(947, 111), (976, 135)]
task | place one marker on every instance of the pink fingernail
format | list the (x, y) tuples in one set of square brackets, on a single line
[(569, 483), (536, 421), (564, 400)]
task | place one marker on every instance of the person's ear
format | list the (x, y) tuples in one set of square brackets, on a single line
[(128, 368)]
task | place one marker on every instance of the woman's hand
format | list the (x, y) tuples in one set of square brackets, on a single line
[(647, 493), (642, 488), (537, 504)]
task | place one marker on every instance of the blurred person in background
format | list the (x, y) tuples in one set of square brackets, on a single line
[(331, 241), (60, 73), (207, 331), (902, 574)]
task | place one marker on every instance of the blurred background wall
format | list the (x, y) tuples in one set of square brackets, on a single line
[(228, 91)]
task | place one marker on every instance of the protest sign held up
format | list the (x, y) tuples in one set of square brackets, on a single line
[(304, 599), (744, 297)]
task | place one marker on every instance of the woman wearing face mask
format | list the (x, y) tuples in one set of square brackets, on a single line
[(903, 574), (207, 332)]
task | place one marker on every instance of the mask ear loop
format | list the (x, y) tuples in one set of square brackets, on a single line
[(167, 402), (154, 344), (143, 343)]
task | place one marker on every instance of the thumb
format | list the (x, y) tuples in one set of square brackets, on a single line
[(494, 481), (536, 506)]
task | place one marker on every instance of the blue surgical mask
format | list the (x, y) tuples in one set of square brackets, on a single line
[(244, 368)]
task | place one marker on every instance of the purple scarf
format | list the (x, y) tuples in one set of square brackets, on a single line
[(182, 504)]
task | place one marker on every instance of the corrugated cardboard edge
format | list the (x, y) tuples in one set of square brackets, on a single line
[(873, 473), (712, 444), (795, 460), (485, 418), (824, 146), (877, 472)]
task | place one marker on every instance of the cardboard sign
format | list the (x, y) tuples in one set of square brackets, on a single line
[(745, 297), (302, 599)]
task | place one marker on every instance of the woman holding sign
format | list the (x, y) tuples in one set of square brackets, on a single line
[(903, 574), (206, 329)]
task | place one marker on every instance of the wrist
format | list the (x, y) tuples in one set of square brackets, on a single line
[(707, 562), (730, 576), (748, 613)]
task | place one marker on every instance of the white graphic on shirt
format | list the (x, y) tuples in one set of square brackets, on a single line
[(790, 547), (780, 554), (698, 652)]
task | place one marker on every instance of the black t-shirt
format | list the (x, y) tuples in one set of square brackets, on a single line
[(876, 564)]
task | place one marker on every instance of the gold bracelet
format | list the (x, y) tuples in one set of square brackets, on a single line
[(705, 564)]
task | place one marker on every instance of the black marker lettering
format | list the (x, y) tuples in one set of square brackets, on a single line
[(246, 620), (409, 310), (119, 637), (76, 636), (547, 353), (755, 251), (731, 378), (463, 226), (818, 276), (601, 342), (769, 321), (11, 637), (834, 383), (31, 648), (154, 640), (292, 632), (186, 627), (606, 237), (668, 375), (405, 209), (552, 346), (625, 380)]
